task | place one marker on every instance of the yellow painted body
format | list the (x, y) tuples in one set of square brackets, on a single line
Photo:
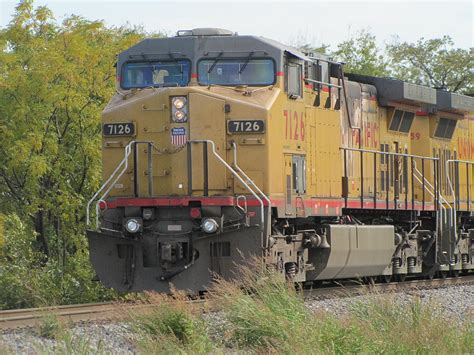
[(293, 128)]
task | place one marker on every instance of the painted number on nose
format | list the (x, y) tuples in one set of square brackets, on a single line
[(118, 129), (246, 126)]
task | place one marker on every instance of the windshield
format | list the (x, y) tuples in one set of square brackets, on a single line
[(233, 72), (146, 74)]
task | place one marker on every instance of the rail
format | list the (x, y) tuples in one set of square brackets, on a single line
[(115, 312)]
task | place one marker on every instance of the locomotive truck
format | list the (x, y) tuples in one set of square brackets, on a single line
[(219, 147)]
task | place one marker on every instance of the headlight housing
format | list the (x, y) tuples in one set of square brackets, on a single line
[(209, 225), (178, 102), (133, 225), (179, 116), (179, 109)]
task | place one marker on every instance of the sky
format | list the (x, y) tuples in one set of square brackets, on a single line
[(291, 22)]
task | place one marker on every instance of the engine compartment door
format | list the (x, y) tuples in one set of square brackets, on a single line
[(207, 122)]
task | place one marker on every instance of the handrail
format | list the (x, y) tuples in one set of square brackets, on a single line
[(223, 162), (243, 209), (434, 191), (111, 180), (448, 176), (123, 162), (249, 180), (234, 173), (388, 153), (323, 83), (265, 197), (427, 182)]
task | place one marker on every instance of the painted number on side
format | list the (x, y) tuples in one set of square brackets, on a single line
[(294, 125)]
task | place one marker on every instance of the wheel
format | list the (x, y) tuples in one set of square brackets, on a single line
[(455, 273), (430, 276), (386, 278), (443, 274)]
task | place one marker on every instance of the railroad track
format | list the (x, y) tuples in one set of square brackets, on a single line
[(348, 289), (31, 317)]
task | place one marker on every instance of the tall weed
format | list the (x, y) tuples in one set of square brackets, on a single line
[(173, 326)]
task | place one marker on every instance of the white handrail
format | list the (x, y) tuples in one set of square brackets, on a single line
[(105, 184), (448, 176), (265, 197), (441, 199), (249, 180)]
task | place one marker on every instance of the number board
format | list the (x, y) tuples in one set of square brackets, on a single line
[(118, 129), (246, 126)]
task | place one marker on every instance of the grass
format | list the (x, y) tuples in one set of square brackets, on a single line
[(262, 313), (172, 327), (50, 327), (265, 314), (65, 341)]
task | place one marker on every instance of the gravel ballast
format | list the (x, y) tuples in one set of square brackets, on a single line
[(454, 303)]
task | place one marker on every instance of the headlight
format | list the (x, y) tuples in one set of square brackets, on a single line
[(179, 109), (209, 225), (179, 102), (179, 116), (132, 225)]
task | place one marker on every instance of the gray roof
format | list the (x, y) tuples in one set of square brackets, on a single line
[(208, 42)]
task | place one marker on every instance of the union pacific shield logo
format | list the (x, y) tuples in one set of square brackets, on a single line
[(178, 136)]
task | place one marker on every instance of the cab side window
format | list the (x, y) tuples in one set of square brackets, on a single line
[(299, 174), (293, 83)]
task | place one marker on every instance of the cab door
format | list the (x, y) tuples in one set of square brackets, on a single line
[(288, 183), (299, 183), (295, 184)]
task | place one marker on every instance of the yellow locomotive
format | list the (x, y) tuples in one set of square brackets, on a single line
[(217, 147)]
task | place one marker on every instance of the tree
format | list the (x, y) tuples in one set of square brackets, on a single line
[(55, 79), (435, 63), (361, 55)]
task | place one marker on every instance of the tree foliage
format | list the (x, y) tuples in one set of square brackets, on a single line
[(361, 55), (435, 63), (55, 79)]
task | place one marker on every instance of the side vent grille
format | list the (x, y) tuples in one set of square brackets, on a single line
[(445, 128), (401, 121)]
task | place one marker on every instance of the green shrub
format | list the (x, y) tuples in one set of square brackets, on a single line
[(50, 327), (28, 280), (171, 327)]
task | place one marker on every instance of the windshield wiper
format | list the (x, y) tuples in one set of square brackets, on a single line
[(215, 62), (246, 62)]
